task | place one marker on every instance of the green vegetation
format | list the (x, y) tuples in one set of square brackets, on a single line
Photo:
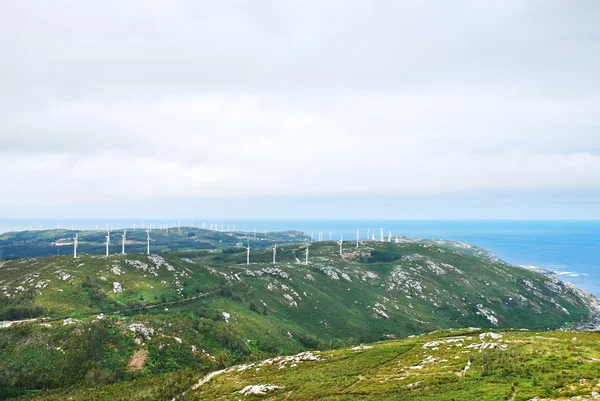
[(149, 326), (448, 365), (38, 243)]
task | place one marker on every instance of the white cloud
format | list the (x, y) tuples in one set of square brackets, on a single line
[(294, 98)]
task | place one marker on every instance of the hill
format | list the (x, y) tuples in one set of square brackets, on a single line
[(464, 364), (21, 244), (178, 315)]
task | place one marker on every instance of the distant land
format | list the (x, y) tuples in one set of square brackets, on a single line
[(200, 303), (569, 248)]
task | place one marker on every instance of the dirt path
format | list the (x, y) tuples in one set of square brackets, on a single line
[(137, 360)]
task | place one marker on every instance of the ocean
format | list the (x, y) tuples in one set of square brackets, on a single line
[(569, 248)]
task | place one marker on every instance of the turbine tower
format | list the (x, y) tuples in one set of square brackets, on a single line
[(357, 234), (248, 254), (306, 255), (381, 231), (341, 244), (107, 241), (329, 235), (368, 231), (312, 236), (389, 236), (274, 253), (147, 242), (124, 237), (75, 241)]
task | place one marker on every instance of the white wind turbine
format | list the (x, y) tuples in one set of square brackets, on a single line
[(357, 235), (124, 238), (389, 236), (147, 242), (306, 262), (248, 254), (203, 225), (329, 235), (341, 244), (312, 236), (107, 241), (75, 243), (133, 224), (274, 253), (233, 228), (368, 231), (381, 231)]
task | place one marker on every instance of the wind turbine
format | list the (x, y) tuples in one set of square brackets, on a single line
[(124, 237), (368, 231), (227, 227), (203, 225), (381, 230), (107, 241), (75, 241), (341, 244), (312, 236), (274, 253), (307, 254), (389, 236), (255, 233), (329, 235), (357, 234), (133, 224), (233, 228), (248, 254), (148, 242)]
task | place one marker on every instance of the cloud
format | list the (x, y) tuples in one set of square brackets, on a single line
[(141, 100)]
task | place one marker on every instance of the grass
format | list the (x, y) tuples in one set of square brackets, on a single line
[(209, 310)]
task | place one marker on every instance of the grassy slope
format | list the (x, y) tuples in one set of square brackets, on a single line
[(521, 365), (273, 309)]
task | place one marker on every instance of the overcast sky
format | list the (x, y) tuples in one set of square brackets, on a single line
[(399, 109)]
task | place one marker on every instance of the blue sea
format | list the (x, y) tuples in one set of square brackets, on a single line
[(569, 248)]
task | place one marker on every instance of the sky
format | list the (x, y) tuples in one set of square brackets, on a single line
[(470, 109)]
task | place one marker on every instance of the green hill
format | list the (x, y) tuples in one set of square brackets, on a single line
[(172, 317), (38, 243)]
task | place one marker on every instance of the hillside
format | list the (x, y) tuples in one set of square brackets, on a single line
[(464, 364), (181, 314), (93, 242), (452, 365)]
